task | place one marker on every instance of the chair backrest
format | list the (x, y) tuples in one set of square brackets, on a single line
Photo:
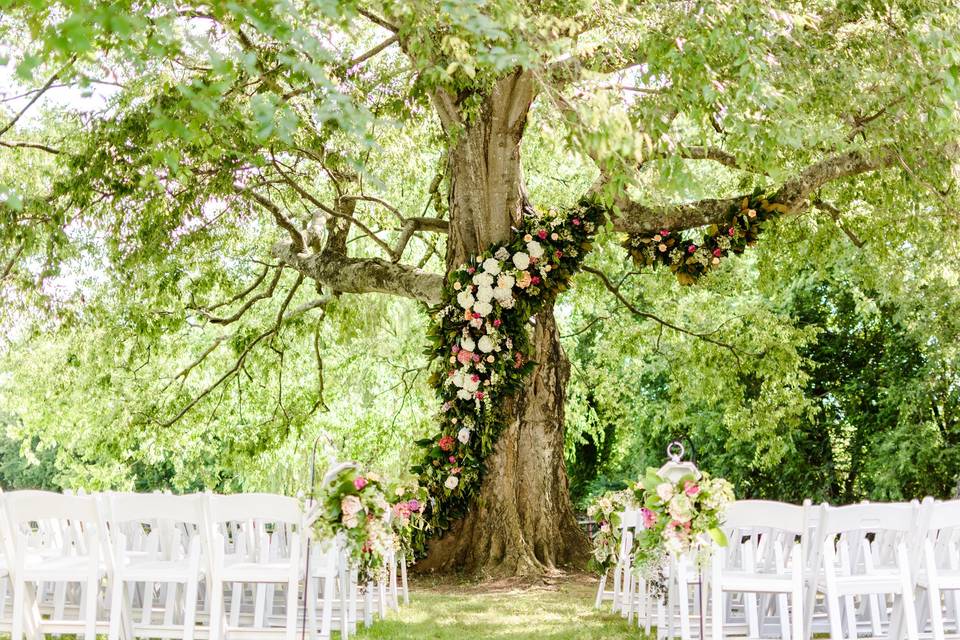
[(33, 506), (147, 507), (943, 515), (766, 514), (267, 507), (870, 518)]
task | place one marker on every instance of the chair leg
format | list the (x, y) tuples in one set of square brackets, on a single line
[(403, 579), (116, 607), (716, 598), (216, 610), (310, 603), (909, 606), (293, 590), (90, 628), (933, 591), (19, 589), (190, 608), (797, 596), (326, 619)]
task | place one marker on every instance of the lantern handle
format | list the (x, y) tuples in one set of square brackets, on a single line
[(675, 451)]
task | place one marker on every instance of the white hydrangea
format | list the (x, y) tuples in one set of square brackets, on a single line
[(534, 249), (484, 293), (486, 344), (502, 293), (491, 266), (463, 394), (471, 383), (482, 308), (483, 279), (457, 379), (506, 281), (465, 299), (467, 343), (521, 260)]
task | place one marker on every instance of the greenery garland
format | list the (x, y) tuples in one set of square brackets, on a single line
[(480, 342), (690, 259)]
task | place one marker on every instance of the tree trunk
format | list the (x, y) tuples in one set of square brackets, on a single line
[(522, 523)]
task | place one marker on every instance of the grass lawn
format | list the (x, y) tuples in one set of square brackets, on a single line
[(560, 611)]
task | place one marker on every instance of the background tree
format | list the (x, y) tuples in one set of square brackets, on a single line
[(248, 170)]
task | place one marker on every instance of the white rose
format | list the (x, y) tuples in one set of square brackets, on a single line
[(482, 308), (350, 505), (681, 509), (350, 522), (465, 299), (452, 482), (521, 260), (483, 279), (534, 249), (491, 266), (665, 491), (457, 379), (485, 344), (467, 343), (471, 384), (463, 435), (463, 394), (506, 281), (484, 293)]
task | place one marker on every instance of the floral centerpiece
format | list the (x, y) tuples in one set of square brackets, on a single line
[(605, 511), (481, 346), (353, 506), (679, 517)]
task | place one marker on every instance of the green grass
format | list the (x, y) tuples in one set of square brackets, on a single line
[(560, 611)]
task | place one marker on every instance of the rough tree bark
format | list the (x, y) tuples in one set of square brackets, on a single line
[(522, 523)]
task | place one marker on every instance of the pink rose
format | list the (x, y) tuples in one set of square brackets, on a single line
[(497, 322), (558, 254), (452, 459), (475, 378), (471, 270), (535, 280), (542, 234), (691, 489), (664, 232), (692, 248), (731, 231), (456, 348), (465, 356), (479, 395), (475, 357), (576, 222), (456, 470), (718, 252), (446, 443), (414, 505), (359, 483)]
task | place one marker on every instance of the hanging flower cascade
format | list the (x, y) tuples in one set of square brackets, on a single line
[(480, 342), (689, 259), (606, 511), (353, 507)]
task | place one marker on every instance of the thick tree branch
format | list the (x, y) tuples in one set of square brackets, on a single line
[(29, 145), (364, 275), (835, 215), (411, 226), (295, 235), (638, 218), (363, 57)]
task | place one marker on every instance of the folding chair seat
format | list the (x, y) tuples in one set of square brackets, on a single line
[(939, 573)]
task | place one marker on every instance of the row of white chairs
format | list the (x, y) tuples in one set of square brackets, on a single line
[(791, 571), (178, 566)]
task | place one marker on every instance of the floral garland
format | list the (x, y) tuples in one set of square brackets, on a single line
[(482, 348), (679, 517), (605, 511), (689, 259), (353, 505)]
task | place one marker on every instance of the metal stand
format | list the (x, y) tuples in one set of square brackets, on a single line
[(306, 574)]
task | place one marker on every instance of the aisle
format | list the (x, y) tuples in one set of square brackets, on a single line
[(480, 612)]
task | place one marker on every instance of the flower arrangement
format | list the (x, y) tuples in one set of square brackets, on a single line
[(679, 517), (408, 503), (605, 511), (690, 259), (480, 342), (353, 506)]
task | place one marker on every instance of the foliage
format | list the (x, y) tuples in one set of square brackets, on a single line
[(353, 509), (482, 347), (408, 501)]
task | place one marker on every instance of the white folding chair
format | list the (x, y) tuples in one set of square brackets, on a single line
[(939, 575), (275, 526), (39, 557), (866, 556), (763, 535), (155, 539), (6, 554)]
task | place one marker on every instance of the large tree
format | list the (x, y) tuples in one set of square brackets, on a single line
[(265, 138)]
